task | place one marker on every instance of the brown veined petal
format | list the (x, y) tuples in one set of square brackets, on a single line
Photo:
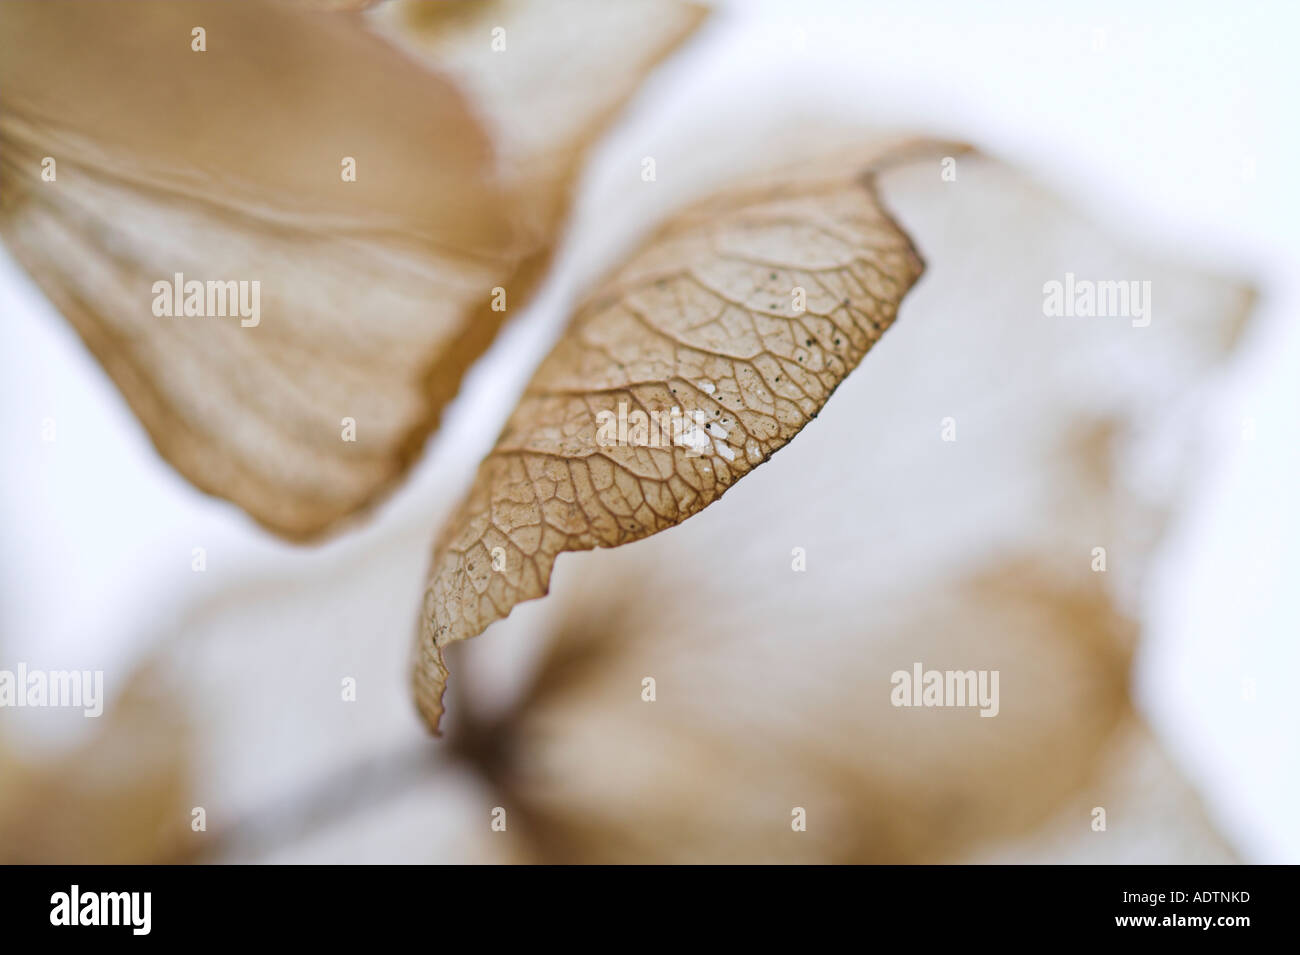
[(726, 332), (773, 624)]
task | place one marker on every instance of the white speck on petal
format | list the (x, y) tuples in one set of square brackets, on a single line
[(693, 438)]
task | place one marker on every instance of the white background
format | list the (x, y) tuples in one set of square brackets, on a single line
[(1174, 123)]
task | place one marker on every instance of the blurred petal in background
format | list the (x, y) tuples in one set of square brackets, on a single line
[(1155, 690)]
